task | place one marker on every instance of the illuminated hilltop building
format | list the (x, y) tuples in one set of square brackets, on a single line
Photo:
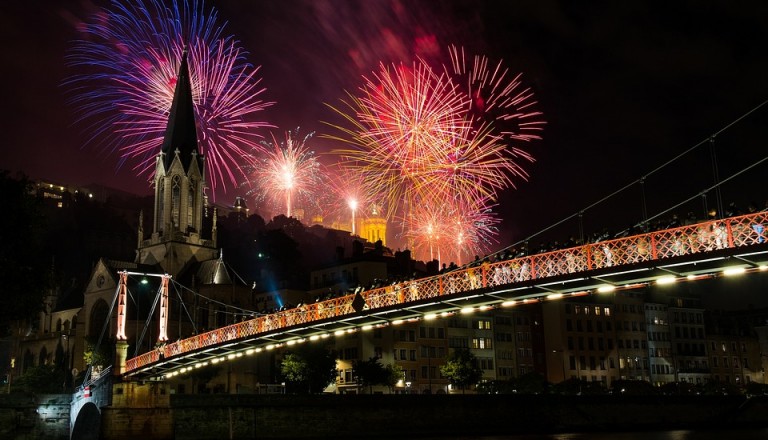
[(374, 227)]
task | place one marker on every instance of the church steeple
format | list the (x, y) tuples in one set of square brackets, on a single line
[(181, 134), (177, 236)]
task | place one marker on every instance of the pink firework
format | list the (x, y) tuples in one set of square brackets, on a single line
[(451, 230), (403, 119), (439, 146), (289, 176), (498, 98), (349, 196), (130, 56)]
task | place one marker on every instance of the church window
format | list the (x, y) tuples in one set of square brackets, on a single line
[(175, 200), (191, 205), (160, 207)]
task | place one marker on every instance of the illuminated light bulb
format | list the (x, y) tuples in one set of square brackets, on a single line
[(555, 296), (367, 327), (666, 280), (734, 271), (467, 310), (397, 322), (430, 317), (508, 303), (606, 289)]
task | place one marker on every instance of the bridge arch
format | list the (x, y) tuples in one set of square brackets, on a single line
[(87, 423)]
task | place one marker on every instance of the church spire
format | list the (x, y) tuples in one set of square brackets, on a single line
[(181, 134)]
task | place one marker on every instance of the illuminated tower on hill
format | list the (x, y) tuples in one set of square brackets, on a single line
[(179, 182), (374, 227)]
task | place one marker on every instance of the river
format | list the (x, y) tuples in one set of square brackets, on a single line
[(731, 434)]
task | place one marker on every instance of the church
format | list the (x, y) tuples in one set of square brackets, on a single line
[(177, 247), (180, 242)]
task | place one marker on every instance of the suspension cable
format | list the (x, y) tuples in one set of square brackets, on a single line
[(731, 177), (625, 187)]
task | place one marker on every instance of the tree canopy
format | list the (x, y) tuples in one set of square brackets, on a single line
[(461, 369), (309, 369), (370, 373)]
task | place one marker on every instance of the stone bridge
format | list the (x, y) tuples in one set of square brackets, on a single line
[(87, 403)]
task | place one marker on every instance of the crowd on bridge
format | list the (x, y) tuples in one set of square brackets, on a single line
[(712, 238)]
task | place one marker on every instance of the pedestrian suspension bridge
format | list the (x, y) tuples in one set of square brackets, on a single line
[(704, 250)]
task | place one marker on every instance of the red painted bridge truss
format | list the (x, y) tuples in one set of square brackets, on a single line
[(734, 232)]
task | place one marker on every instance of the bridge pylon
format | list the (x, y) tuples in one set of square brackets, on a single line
[(121, 354)]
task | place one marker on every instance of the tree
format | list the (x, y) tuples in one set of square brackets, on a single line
[(309, 370), (395, 374), (43, 379), (369, 373), (461, 369)]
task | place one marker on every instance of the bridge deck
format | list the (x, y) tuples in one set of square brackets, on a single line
[(695, 251)]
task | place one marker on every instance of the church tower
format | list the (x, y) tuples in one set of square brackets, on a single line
[(179, 181)]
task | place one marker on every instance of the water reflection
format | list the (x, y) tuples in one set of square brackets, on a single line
[(740, 434)]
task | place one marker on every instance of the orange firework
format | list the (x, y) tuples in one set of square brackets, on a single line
[(435, 153)]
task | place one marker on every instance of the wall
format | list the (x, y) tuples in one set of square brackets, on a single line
[(27, 416)]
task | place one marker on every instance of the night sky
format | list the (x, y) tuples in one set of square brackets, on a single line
[(624, 86)]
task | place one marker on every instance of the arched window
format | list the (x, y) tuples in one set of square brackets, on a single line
[(175, 201), (99, 313), (65, 327), (43, 360), (160, 207), (58, 325), (191, 205), (74, 325)]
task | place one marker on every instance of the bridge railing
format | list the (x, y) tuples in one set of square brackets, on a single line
[(706, 236)]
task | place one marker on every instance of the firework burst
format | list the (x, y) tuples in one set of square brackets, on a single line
[(288, 177), (451, 230), (403, 118), (439, 152), (349, 195), (497, 97), (129, 57)]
